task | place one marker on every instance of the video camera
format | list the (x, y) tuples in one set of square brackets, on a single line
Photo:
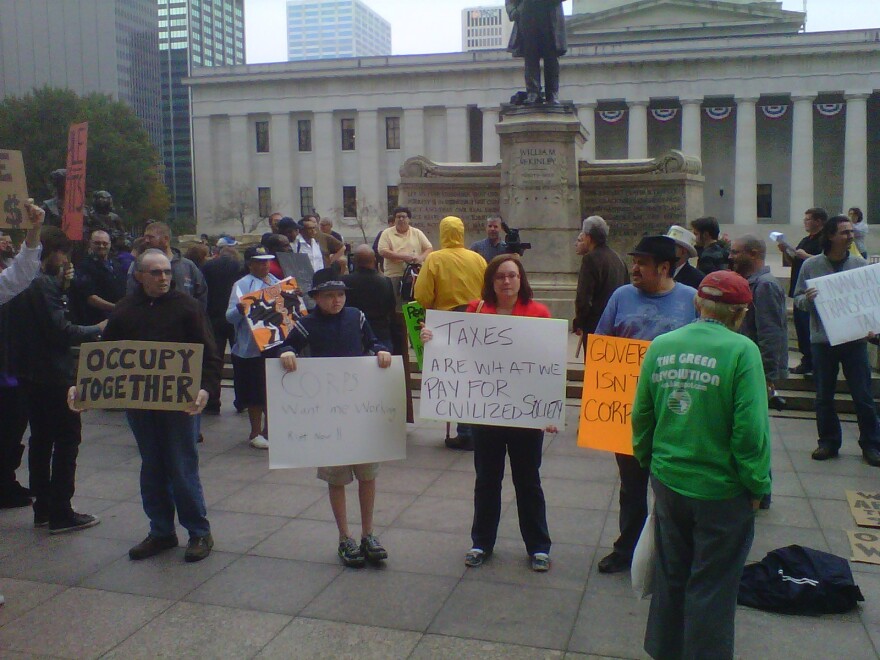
[(512, 242)]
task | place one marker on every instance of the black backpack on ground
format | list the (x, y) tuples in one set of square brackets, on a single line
[(799, 580)]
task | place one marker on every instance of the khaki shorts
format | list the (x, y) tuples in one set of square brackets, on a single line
[(342, 475)]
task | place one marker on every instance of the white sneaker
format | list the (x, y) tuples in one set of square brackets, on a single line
[(259, 442)]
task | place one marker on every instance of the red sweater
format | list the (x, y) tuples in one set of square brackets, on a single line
[(530, 308)]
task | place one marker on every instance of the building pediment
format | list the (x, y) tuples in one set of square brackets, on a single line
[(676, 19)]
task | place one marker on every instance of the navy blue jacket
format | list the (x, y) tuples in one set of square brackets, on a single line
[(347, 334)]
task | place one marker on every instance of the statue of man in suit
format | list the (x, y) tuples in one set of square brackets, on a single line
[(538, 33)]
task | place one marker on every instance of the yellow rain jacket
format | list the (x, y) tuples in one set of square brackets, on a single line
[(453, 275)]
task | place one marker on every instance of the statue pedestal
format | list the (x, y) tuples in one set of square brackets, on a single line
[(540, 195)]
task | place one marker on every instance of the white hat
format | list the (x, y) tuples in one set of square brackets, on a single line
[(684, 238)]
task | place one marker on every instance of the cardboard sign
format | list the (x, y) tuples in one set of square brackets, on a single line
[(611, 374), (75, 184), (271, 312), (865, 546), (335, 411), (849, 303), (13, 191), (299, 267), (865, 507), (140, 375), (413, 317), (494, 370)]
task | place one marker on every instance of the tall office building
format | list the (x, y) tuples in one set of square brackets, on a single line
[(485, 28), (192, 33), (106, 46), (324, 29)]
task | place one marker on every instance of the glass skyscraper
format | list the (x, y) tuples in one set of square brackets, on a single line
[(323, 29), (192, 33)]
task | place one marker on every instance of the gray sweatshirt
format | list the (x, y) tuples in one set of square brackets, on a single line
[(766, 323), (817, 267)]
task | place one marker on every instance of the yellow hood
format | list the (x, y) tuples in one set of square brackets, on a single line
[(451, 232)]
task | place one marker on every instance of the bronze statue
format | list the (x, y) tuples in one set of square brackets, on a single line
[(54, 207), (101, 216), (538, 33)]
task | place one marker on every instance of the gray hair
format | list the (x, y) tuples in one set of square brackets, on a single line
[(596, 228), (494, 218), (730, 315), (752, 243), (147, 253)]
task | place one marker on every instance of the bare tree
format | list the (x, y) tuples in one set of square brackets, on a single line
[(366, 213), (239, 202)]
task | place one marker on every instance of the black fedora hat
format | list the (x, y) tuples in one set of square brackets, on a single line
[(659, 248)]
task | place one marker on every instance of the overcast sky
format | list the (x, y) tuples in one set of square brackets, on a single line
[(434, 26)]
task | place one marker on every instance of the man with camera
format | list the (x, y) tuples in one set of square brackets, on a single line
[(491, 246)]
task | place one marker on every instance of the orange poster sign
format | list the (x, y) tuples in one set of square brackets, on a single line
[(611, 374), (75, 184), (272, 312)]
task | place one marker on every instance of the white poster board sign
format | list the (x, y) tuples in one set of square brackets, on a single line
[(494, 370), (849, 303), (335, 411)]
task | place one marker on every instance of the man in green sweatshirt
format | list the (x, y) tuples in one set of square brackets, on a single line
[(700, 424)]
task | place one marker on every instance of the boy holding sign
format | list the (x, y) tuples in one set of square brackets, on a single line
[(334, 330)]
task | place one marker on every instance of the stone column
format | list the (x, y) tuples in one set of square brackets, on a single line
[(692, 127), (638, 129), (745, 181), (240, 150), (801, 158), (587, 113), (205, 179), (414, 132), (325, 143), (855, 160), (540, 194), (284, 197), (368, 158), (491, 144), (457, 135)]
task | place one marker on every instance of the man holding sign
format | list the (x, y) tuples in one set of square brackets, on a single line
[(653, 304), (166, 439), (837, 238)]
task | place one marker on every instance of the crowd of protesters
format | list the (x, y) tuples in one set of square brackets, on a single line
[(708, 479)]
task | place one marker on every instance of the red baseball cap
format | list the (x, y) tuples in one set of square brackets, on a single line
[(725, 286)]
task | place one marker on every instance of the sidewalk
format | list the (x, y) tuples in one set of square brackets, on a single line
[(273, 588)]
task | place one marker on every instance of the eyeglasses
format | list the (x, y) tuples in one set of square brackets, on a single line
[(501, 277), (160, 272)]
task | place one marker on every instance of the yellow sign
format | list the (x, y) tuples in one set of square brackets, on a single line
[(13, 190), (865, 546), (140, 375), (611, 374), (865, 507)]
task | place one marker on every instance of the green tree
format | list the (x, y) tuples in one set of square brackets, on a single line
[(120, 157)]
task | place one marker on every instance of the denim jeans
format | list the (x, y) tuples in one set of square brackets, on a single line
[(633, 504), (169, 471), (491, 445), (802, 328), (827, 361)]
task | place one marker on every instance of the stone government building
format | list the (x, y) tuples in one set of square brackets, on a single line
[(781, 119)]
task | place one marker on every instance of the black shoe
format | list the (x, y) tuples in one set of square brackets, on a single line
[(350, 553), (823, 453), (475, 557), (151, 546), (461, 443), (614, 563), (211, 410), (41, 519), (802, 370), (198, 548), (765, 502), (73, 523), (871, 456), (14, 500), (200, 439), (372, 549), (777, 402)]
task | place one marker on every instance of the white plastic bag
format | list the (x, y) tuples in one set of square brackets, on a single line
[(642, 570)]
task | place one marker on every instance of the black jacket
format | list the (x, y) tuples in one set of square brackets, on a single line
[(373, 294), (713, 257), (221, 274), (602, 271), (94, 277), (174, 317), (689, 275), (41, 334)]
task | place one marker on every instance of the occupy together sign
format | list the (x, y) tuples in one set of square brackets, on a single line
[(144, 375), (494, 370)]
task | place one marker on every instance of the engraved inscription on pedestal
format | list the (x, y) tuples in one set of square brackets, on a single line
[(538, 165), (431, 203)]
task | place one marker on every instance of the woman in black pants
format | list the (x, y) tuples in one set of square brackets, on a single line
[(506, 290)]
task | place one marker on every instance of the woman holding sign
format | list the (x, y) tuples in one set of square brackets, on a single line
[(506, 290)]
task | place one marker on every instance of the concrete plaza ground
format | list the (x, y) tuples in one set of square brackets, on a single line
[(273, 588)]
